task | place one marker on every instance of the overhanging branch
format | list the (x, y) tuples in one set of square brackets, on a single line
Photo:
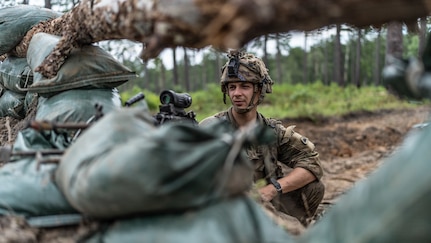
[(223, 24)]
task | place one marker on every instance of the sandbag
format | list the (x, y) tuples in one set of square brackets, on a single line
[(30, 101), (74, 106), (28, 188), (30, 191), (128, 166), (235, 220), (16, 21), (15, 74), (392, 205), (11, 104), (77, 105), (86, 67), (30, 139)]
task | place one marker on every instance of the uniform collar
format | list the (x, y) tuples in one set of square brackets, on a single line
[(259, 118)]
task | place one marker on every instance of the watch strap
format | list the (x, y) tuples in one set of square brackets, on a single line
[(277, 185)]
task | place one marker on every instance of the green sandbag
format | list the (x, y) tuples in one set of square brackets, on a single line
[(87, 67), (30, 191), (15, 74), (74, 106), (112, 130), (12, 104), (129, 167), (30, 139), (236, 220), (29, 101), (16, 21), (77, 105), (392, 205)]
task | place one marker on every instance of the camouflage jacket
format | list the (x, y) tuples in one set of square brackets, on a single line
[(290, 148)]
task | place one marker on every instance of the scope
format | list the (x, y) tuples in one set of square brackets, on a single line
[(179, 100)]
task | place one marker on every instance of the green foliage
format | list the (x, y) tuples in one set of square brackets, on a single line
[(411, 43), (291, 100), (298, 100), (317, 100), (208, 102)]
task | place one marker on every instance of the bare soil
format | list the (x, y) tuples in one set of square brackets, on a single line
[(350, 147), (354, 145)]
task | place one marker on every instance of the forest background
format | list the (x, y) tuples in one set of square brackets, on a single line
[(336, 70)]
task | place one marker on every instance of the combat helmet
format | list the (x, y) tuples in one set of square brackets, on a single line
[(246, 67)]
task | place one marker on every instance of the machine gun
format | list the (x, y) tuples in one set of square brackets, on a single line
[(171, 108)]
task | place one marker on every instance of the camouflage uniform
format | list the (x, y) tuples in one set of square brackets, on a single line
[(292, 150)]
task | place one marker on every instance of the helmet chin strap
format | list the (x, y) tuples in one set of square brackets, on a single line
[(242, 111)]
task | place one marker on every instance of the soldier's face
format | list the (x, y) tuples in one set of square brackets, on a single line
[(241, 93)]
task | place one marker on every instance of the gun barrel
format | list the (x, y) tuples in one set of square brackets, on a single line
[(47, 125), (134, 99)]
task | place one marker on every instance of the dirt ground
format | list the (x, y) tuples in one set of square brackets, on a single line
[(350, 147), (354, 145)]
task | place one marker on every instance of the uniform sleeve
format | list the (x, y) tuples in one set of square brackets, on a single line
[(296, 150)]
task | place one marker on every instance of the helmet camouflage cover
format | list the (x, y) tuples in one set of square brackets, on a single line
[(245, 67)]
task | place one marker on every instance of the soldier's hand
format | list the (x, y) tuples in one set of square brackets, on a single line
[(268, 192)]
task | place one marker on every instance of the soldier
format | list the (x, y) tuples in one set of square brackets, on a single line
[(245, 80)]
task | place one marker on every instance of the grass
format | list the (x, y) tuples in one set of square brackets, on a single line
[(291, 101)]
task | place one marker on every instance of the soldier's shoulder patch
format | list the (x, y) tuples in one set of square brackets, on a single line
[(302, 142)]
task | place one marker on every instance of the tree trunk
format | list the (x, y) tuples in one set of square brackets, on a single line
[(162, 75), (145, 69), (305, 61), (348, 63), (338, 54), (48, 4), (376, 71), (218, 68), (186, 70), (358, 60), (394, 41), (174, 66), (265, 51), (278, 59), (422, 36), (326, 65), (204, 72)]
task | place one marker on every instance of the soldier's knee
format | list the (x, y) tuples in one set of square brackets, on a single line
[(313, 195)]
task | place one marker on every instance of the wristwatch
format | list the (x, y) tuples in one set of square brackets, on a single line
[(277, 185)]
